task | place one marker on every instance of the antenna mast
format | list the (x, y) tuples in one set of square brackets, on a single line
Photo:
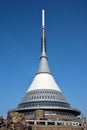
[(43, 39)]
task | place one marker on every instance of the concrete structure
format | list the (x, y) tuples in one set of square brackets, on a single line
[(44, 102)]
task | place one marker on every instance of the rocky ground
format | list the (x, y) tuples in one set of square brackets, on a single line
[(14, 121)]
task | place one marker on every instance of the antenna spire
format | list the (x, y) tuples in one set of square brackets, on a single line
[(43, 18), (43, 39)]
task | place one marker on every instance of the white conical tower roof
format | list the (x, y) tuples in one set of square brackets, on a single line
[(44, 81), (44, 78)]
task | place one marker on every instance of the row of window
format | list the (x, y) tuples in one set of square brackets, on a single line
[(43, 91), (42, 97), (57, 113), (58, 97), (29, 113), (47, 103)]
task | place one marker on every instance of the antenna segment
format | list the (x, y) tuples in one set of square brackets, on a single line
[(43, 18)]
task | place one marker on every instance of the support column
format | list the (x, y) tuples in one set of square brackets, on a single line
[(55, 122), (46, 123), (35, 122)]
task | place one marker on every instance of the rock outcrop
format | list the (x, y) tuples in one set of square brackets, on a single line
[(14, 121), (2, 123)]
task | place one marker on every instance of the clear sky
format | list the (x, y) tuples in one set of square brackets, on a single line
[(20, 44)]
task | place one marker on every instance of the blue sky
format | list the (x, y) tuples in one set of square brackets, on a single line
[(20, 43)]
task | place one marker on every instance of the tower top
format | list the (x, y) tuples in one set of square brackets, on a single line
[(43, 78), (43, 66)]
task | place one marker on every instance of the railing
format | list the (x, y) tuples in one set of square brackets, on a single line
[(55, 122)]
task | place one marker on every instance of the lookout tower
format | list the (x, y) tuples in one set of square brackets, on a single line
[(44, 98)]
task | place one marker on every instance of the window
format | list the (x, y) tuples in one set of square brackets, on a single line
[(42, 97), (45, 96), (53, 97)]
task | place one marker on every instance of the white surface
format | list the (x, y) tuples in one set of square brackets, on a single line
[(43, 20), (43, 81)]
